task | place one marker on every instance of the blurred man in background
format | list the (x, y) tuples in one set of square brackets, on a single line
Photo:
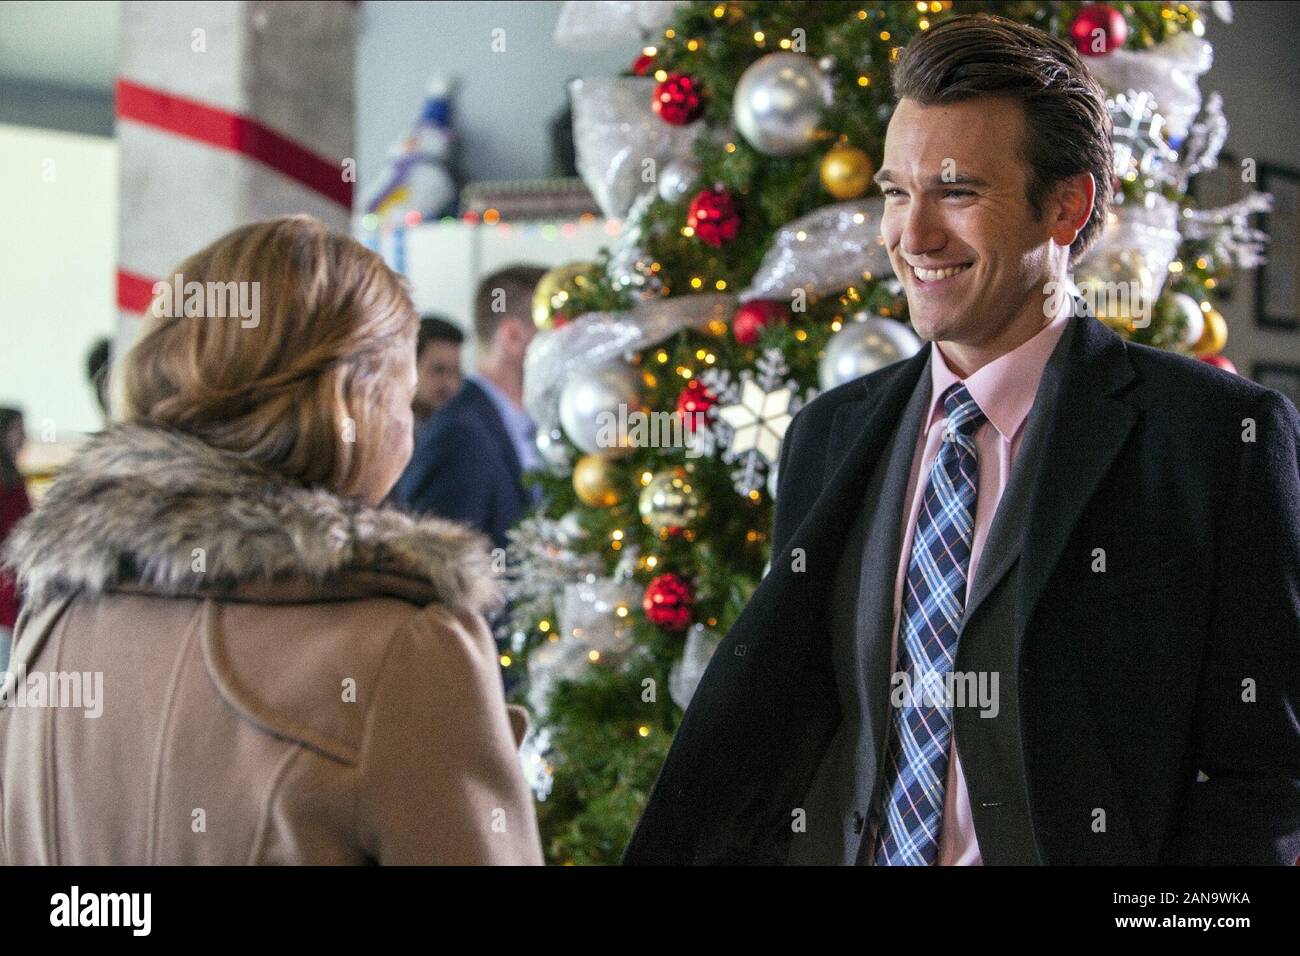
[(437, 363), (470, 456)]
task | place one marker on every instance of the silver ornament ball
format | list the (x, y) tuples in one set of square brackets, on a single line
[(778, 103), (863, 346), (588, 401), (677, 178)]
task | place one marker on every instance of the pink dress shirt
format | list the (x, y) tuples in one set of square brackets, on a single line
[(1004, 389)]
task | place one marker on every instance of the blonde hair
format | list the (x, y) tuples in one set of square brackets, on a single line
[(304, 389)]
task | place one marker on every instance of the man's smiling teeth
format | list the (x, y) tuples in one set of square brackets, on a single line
[(930, 275)]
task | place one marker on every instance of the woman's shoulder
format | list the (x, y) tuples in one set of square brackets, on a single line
[(314, 672)]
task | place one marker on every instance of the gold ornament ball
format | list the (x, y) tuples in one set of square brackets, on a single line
[(1215, 336), (552, 292), (669, 502), (595, 482), (846, 171)]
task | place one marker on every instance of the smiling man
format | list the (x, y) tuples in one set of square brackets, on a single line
[(1035, 591)]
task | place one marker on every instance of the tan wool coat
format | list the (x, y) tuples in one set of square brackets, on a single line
[(281, 675)]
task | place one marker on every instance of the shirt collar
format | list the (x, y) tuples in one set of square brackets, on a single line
[(1005, 388), (516, 419)]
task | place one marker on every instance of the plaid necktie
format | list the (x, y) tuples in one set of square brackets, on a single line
[(916, 764)]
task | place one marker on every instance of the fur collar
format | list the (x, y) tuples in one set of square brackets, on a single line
[(128, 512)]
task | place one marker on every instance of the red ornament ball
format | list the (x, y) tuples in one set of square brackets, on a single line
[(694, 401), (678, 99), (1219, 361), (753, 317), (1098, 29), (642, 64), (714, 215), (669, 602)]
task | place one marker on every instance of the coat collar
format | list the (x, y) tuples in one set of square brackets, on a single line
[(146, 509)]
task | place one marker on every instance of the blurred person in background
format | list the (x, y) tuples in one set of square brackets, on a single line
[(97, 365), (14, 504), (310, 668), (437, 366), (470, 457)]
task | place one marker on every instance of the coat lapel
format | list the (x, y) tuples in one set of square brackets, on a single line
[(1088, 428), (859, 435)]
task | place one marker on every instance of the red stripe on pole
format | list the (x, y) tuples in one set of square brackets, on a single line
[(134, 292), (226, 130)]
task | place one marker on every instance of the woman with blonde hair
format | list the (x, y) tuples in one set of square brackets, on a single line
[(230, 652)]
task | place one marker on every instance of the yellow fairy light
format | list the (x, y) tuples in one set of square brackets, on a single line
[(646, 477), (836, 325), (1176, 266), (683, 371), (719, 11), (699, 354), (615, 545), (649, 50), (687, 231), (920, 6), (1202, 263), (505, 660), (720, 285), (651, 561), (696, 282), (621, 610), (661, 75), (801, 335), (924, 24), (593, 656), (754, 495), (1210, 283), (759, 37), (785, 43), (617, 534), (884, 35), (710, 358), (670, 33), (543, 626), (864, 81), (730, 147), (661, 356), (643, 730), (858, 218), (862, 14), (893, 53), (935, 6)]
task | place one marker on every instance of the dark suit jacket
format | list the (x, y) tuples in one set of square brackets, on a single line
[(1148, 713), (464, 467)]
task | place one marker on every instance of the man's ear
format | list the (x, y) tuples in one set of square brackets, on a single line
[(1072, 207)]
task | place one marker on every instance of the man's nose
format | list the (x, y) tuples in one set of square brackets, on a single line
[(923, 230)]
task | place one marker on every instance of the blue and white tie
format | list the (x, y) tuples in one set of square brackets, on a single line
[(916, 762)]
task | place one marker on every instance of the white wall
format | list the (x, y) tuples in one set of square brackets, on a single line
[(506, 100), (58, 205)]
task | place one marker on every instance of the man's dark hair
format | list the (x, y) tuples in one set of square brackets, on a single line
[(1068, 126), (515, 298), (435, 328)]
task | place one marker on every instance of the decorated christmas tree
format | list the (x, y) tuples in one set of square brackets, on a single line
[(738, 151)]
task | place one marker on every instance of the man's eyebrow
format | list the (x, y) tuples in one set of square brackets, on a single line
[(938, 181)]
